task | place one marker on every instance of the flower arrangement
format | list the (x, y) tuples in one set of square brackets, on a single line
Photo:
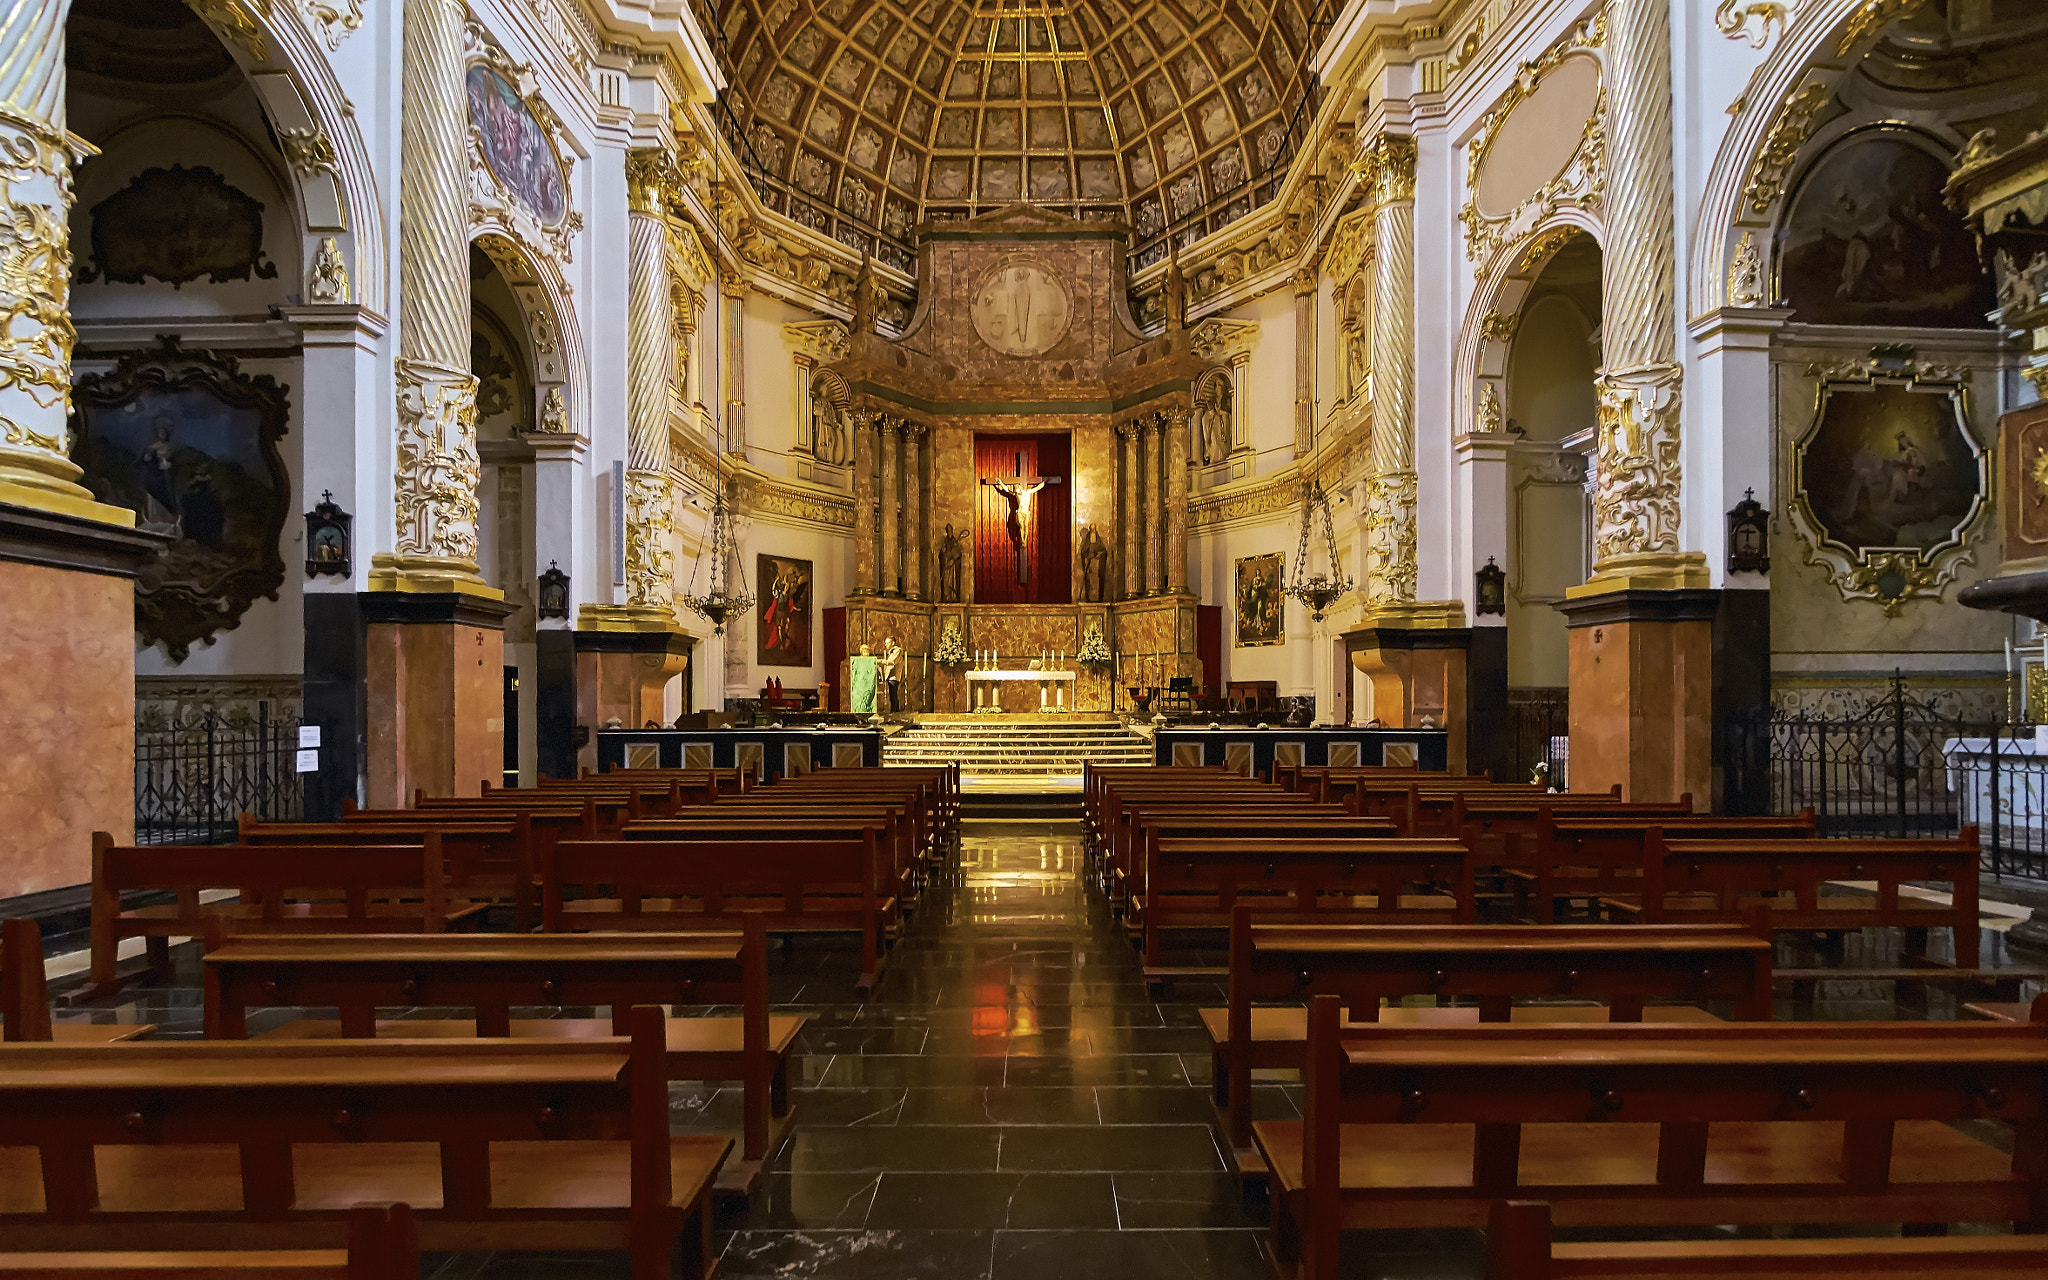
[(952, 650), (1094, 651)]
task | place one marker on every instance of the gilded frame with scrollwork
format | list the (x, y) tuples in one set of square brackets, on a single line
[(1889, 576)]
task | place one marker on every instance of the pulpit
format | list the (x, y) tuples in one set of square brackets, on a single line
[(1055, 690)]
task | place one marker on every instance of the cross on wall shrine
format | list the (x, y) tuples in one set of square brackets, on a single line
[(1017, 492)]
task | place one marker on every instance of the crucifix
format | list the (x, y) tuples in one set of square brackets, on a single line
[(1017, 492)]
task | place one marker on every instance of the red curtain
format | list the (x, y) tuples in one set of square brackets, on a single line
[(1048, 532)]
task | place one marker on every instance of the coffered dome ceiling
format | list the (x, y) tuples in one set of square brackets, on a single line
[(892, 111)]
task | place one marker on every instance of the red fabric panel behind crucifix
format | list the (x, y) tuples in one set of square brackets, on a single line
[(1048, 526)]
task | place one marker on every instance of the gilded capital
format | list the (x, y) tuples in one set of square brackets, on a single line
[(1387, 166), (650, 173)]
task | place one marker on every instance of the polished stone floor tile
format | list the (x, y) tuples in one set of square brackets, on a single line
[(973, 1201), (1131, 1255), (857, 1255), (1111, 1147)]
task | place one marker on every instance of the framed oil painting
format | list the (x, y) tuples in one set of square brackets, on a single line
[(1890, 465), (515, 145), (176, 225), (189, 443), (783, 633), (1869, 240), (1261, 609)]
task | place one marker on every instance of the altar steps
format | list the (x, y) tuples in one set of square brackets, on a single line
[(1012, 751)]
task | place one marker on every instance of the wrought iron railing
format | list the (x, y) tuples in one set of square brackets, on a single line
[(1901, 768), (196, 773), (1539, 734)]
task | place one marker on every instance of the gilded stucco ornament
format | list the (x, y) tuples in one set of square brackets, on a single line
[(308, 151), (36, 335), (336, 19), (328, 279), (1754, 20), (1580, 184), (1872, 18), (554, 415), (1795, 123), (238, 20), (650, 539), (1746, 273), (1635, 496), (1859, 568), (438, 468), (1390, 570), (1489, 419)]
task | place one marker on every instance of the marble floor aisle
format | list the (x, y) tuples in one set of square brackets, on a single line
[(1009, 1102)]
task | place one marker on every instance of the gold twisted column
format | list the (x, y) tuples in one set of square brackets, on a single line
[(892, 497), (1389, 572), (36, 154), (1306, 282), (1133, 556), (1177, 421), (734, 379), (1636, 493), (915, 537), (865, 574), (650, 368), (1155, 504), (437, 472)]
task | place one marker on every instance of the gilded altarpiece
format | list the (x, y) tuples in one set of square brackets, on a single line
[(1023, 329)]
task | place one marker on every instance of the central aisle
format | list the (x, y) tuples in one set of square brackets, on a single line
[(1010, 1103)]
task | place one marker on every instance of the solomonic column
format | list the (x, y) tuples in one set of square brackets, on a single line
[(630, 652), (35, 344), (67, 563), (1177, 421), (430, 619), (1389, 569), (1134, 580), (1640, 632), (437, 472), (1422, 645)]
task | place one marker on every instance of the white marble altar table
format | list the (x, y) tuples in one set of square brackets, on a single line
[(985, 689)]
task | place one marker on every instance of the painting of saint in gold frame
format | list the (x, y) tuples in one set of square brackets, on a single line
[(1261, 609), (784, 638), (1891, 465)]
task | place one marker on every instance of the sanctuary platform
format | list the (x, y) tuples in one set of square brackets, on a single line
[(1000, 750)]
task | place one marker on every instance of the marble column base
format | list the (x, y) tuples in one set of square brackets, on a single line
[(434, 670), (1415, 674), (1642, 688), (621, 675), (67, 643)]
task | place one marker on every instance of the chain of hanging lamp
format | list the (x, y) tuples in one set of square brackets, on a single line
[(1316, 591), (725, 591)]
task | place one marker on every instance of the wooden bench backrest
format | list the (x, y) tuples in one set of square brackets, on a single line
[(24, 990), (263, 1096), (351, 870), (1309, 867), (1681, 1077), (488, 974), (711, 871)]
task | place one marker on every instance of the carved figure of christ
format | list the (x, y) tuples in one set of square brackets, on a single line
[(1017, 492)]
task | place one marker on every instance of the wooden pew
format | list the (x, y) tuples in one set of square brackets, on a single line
[(336, 888), (1198, 883), (793, 886), (1657, 1124), (489, 860), (1493, 821), (1729, 880), (1361, 962), (25, 996), (1602, 857), (1519, 1247), (885, 826), (492, 974), (1141, 826), (526, 1145), (383, 1244)]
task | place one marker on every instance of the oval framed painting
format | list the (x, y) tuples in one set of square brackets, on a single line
[(517, 148)]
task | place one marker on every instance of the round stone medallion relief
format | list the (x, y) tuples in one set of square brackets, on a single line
[(1021, 309)]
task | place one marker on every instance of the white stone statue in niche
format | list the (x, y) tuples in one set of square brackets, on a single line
[(1021, 309)]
